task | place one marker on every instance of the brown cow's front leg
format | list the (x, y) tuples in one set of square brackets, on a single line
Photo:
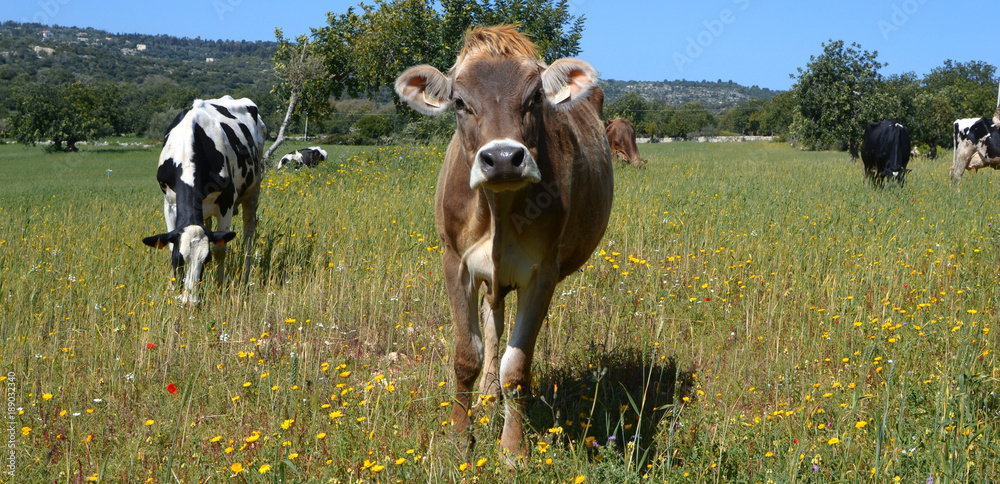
[(515, 368), (493, 324), (468, 362)]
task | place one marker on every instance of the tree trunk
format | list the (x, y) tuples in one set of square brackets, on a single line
[(281, 132)]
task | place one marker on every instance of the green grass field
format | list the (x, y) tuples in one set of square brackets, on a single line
[(755, 314)]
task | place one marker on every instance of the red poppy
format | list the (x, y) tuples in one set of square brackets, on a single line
[(795, 441), (172, 388), (708, 299), (150, 346)]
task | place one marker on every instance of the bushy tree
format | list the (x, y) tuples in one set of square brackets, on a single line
[(971, 87), (745, 118), (631, 106), (297, 65), (690, 120), (776, 116), (548, 23), (67, 115), (373, 127), (365, 49), (837, 93)]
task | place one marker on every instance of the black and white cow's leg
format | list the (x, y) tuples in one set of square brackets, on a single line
[(170, 218), (249, 231), (963, 156), (219, 248)]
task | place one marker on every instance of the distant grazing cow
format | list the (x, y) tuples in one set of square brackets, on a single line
[(885, 151), (621, 137), (306, 157), (976, 144), (209, 166), (523, 198)]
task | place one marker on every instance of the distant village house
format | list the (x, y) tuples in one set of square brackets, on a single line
[(46, 35)]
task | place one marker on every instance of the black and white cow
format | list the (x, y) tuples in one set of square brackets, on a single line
[(305, 157), (209, 166), (976, 144), (885, 151)]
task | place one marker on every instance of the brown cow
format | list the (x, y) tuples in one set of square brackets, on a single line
[(621, 137), (522, 200)]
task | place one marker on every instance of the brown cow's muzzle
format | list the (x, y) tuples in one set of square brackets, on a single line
[(503, 165)]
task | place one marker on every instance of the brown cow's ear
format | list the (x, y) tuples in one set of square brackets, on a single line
[(568, 80), (426, 89)]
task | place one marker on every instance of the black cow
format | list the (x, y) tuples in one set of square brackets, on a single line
[(209, 166), (977, 145), (885, 151), (305, 157)]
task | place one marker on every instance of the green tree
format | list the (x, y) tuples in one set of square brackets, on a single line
[(690, 120), (776, 116), (631, 106), (837, 94), (548, 23), (933, 123), (745, 118), (66, 115), (298, 68), (364, 50), (970, 87), (373, 127)]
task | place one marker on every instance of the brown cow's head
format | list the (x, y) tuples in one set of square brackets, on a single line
[(499, 89)]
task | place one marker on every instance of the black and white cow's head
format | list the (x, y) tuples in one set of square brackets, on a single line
[(190, 250), (294, 158)]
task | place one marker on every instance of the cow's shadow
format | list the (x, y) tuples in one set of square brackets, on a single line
[(277, 262), (622, 398)]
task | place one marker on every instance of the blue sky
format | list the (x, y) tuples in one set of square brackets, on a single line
[(752, 42)]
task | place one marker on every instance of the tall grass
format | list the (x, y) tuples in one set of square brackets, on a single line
[(755, 313)]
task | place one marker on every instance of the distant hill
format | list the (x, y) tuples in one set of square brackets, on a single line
[(714, 95), (161, 73), (54, 54)]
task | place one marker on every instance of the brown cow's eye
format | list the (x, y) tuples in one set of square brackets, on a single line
[(459, 104), (537, 98)]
